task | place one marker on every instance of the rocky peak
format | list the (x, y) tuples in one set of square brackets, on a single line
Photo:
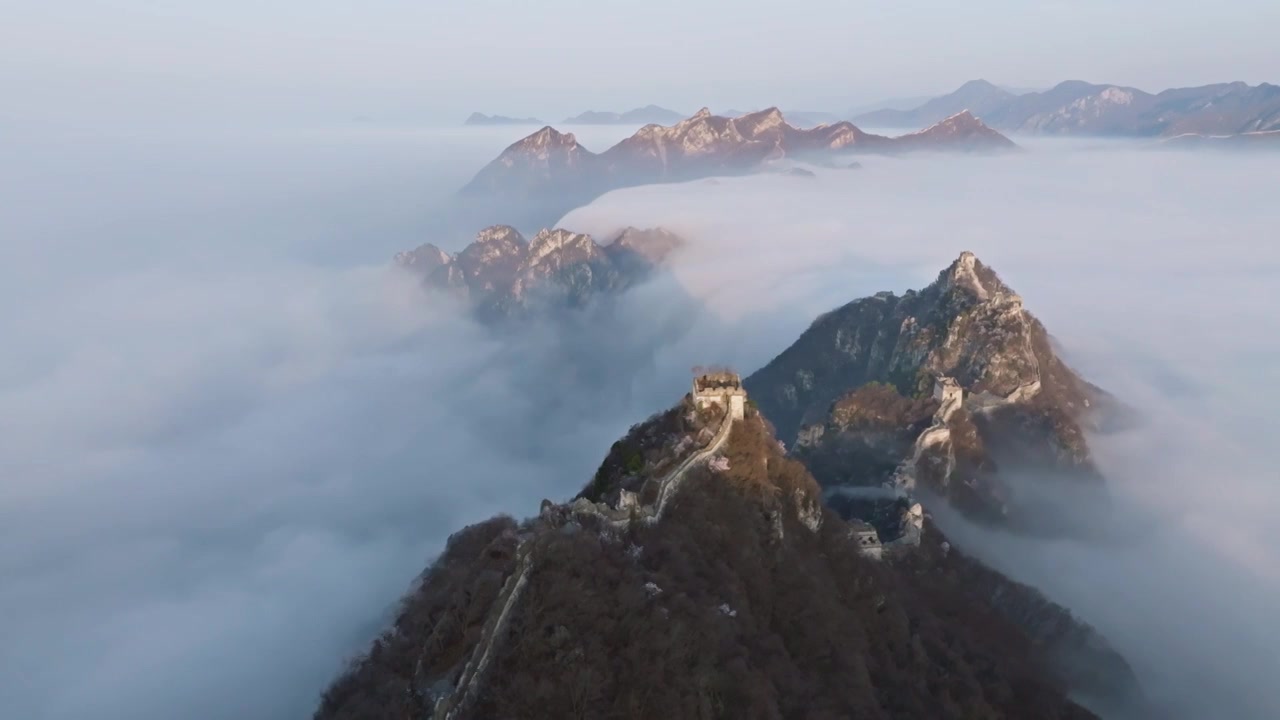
[(969, 275), (978, 85), (694, 147), (966, 380), (842, 134), (499, 234), (546, 166), (1116, 95), (979, 332), (753, 125), (495, 242), (963, 121), (548, 137), (558, 241), (496, 251), (424, 258), (701, 133), (963, 131), (1080, 87), (652, 246), (502, 276), (649, 131)]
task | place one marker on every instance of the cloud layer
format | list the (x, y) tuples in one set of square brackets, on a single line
[(232, 435)]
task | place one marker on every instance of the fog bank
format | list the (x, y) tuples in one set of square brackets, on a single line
[(232, 434)]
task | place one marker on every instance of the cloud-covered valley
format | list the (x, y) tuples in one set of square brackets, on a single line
[(232, 434)]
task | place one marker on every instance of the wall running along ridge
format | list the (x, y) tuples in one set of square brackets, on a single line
[(453, 705)]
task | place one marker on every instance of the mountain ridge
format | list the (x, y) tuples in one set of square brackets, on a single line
[(1247, 141), (954, 389), (503, 276), (1075, 107), (549, 172), (976, 96), (768, 604)]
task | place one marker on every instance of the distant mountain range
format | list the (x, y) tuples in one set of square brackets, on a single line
[(656, 115), (908, 103), (651, 115), (482, 119), (1081, 108), (640, 116), (1266, 140), (549, 173), (977, 96)]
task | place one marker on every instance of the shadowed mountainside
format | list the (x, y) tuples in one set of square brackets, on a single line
[(746, 599), (955, 387)]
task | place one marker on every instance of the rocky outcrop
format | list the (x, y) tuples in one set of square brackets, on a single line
[(546, 168), (504, 276), (941, 388), (962, 132)]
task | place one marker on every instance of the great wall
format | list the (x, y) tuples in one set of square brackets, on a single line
[(722, 389), (451, 705)]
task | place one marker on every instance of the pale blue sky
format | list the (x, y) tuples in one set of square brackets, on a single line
[(439, 59)]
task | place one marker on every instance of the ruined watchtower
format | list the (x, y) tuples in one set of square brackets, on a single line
[(867, 538), (947, 391), (723, 388)]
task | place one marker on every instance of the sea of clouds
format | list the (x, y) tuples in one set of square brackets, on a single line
[(231, 434)]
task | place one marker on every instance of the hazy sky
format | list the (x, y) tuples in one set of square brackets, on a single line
[(397, 60)]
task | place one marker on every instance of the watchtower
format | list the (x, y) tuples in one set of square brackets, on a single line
[(720, 387), (867, 538)]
